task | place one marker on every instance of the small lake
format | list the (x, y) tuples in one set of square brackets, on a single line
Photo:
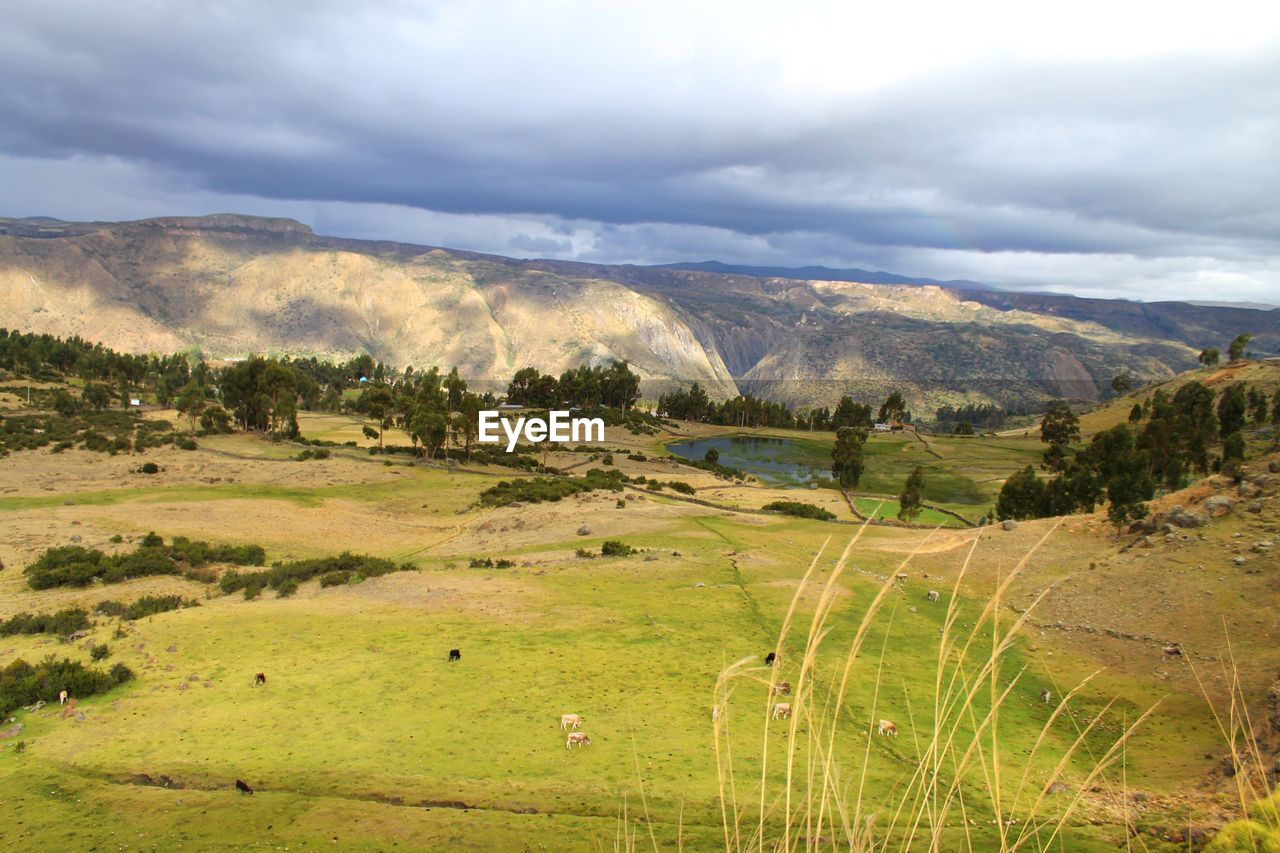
[(775, 461)]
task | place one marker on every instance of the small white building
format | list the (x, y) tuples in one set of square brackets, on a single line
[(883, 427), (134, 401)]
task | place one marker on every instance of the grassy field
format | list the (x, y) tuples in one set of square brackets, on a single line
[(366, 736)]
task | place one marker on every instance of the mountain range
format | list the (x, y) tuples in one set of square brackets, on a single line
[(229, 285)]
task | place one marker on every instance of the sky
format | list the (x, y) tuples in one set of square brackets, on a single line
[(1113, 149)]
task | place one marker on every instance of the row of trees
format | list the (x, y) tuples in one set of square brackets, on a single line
[(615, 386), (1168, 439)]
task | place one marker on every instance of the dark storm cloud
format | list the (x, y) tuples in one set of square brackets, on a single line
[(671, 137)]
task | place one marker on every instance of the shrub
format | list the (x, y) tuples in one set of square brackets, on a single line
[(23, 684), (538, 489), (101, 652), (585, 554), (287, 588), (149, 468), (185, 442), (799, 510), (109, 608), (62, 623), (637, 457), (682, 487), (356, 566), (614, 548), (607, 459), (116, 539), (337, 578), (621, 504), (149, 605), (73, 565)]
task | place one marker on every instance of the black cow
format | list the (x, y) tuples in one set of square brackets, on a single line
[(454, 654), (770, 658), (260, 680), (243, 788)]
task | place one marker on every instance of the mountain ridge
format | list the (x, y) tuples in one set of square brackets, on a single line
[(230, 285)]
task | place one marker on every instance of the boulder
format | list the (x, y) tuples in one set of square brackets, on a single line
[(1008, 524), (1274, 466), (1180, 516), (1218, 505), (1248, 490), (584, 531), (1239, 561)]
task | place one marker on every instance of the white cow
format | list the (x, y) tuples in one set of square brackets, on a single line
[(62, 697), (578, 738), (781, 711), (887, 727), (932, 595), (570, 721)]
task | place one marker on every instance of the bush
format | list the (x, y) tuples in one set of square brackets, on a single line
[(110, 608), (73, 565), (23, 684), (799, 510), (287, 588), (614, 548), (149, 605), (607, 459), (538, 489), (585, 554), (62, 623), (682, 487), (337, 578), (637, 457), (621, 504), (185, 442), (149, 468), (356, 566), (101, 652)]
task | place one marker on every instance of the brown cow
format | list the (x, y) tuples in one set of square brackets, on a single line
[(578, 738), (782, 688), (887, 727)]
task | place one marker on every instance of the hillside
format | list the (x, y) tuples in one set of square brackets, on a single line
[(230, 285)]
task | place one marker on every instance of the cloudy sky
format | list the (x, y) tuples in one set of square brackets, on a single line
[(1102, 148)]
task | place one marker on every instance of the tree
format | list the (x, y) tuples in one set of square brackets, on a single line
[(467, 420), (1236, 351), (893, 409), (97, 395), (1209, 357), (1257, 406), (1275, 408), (1232, 406), (429, 426), (1058, 428), (379, 403), (909, 502), (851, 414), (64, 404), (846, 457), (1021, 496), (1121, 383), (963, 428), (191, 402), (712, 455), (1135, 414), (1194, 427), (1124, 469), (1233, 448)]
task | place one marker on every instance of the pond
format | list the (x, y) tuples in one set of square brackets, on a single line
[(775, 461)]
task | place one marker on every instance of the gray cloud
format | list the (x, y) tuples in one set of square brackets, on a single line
[(568, 131)]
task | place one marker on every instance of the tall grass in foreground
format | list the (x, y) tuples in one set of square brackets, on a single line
[(1258, 827), (955, 794)]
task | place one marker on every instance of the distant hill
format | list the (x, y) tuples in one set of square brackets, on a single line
[(229, 285), (822, 274)]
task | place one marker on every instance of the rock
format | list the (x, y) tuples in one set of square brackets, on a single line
[(1180, 516), (1262, 546), (699, 585), (584, 531), (1008, 524), (1248, 490), (1254, 506), (1218, 505), (1167, 529), (1147, 541), (75, 538), (172, 649), (12, 731), (193, 677), (1262, 481), (1239, 561), (68, 502), (1058, 788), (1274, 466)]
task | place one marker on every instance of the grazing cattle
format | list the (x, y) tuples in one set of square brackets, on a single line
[(454, 654), (570, 721), (62, 697), (932, 595), (243, 788), (1173, 650), (260, 680), (1045, 696), (781, 711), (782, 688), (577, 738), (770, 658), (887, 727)]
